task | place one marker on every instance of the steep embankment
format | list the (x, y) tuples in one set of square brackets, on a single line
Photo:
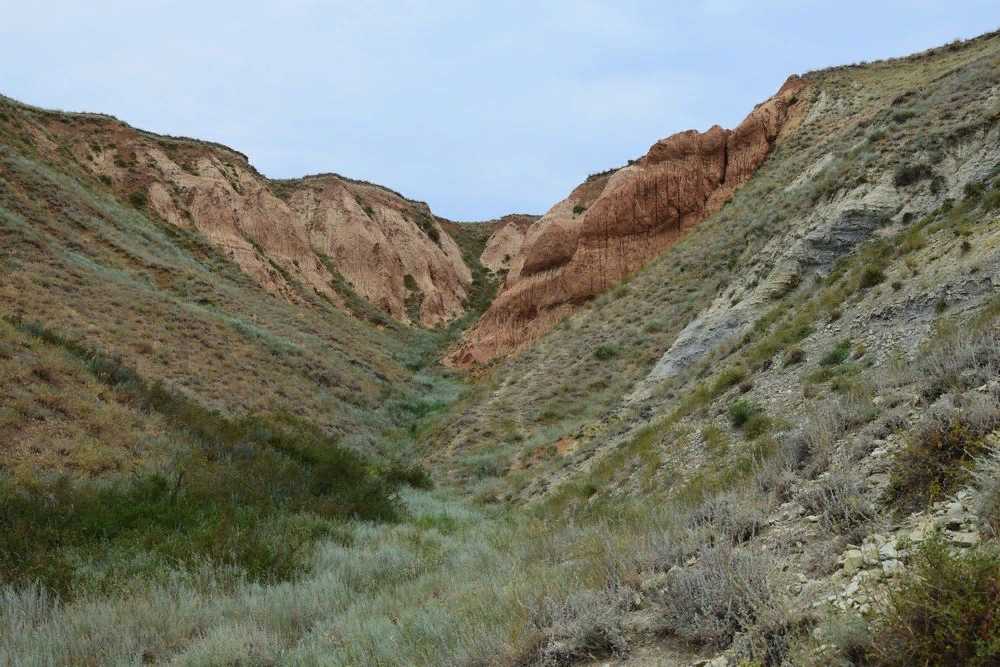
[(614, 224), (307, 235), (175, 259)]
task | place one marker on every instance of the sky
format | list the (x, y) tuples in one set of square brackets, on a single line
[(478, 108)]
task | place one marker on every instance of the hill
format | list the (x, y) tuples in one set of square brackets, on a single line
[(762, 428)]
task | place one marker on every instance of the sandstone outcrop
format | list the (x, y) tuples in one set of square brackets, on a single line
[(291, 237), (504, 244), (615, 223)]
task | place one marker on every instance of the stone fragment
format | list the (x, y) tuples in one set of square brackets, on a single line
[(888, 552), (870, 554), (892, 567), (924, 529), (964, 540), (853, 560)]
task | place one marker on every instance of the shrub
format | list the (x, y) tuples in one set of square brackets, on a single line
[(944, 610), (987, 478), (606, 351), (584, 626), (739, 413), (410, 283), (992, 202), (933, 462), (729, 377), (974, 191), (837, 498), (736, 516), (838, 354), (908, 174), (903, 115), (728, 590), (871, 277), (139, 198), (794, 356), (578, 209), (756, 425)]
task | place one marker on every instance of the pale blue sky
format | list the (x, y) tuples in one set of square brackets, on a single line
[(478, 108)]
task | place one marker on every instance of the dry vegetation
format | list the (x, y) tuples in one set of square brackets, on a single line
[(173, 433)]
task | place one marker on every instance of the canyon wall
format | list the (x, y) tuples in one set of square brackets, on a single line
[(292, 237), (615, 223)]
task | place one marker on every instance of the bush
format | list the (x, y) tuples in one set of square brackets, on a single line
[(756, 425), (736, 516), (837, 498), (410, 283), (578, 209), (908, 174), (606, 351), (139, 198), (974, 191), (794, 356), (903, 115), (838, 354), (944, 611), (932, 463), (739, 413), (871, 277), (727, 591), (729, 377), (584, 626)]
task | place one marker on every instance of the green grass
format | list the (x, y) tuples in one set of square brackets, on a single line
[(837, 354), (229, 476)]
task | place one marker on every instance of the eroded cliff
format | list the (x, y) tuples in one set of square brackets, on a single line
[(292, 237), (615, 223)]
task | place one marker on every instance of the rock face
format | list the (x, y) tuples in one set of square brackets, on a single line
[(614, 224), (504, 244), (291, 237)]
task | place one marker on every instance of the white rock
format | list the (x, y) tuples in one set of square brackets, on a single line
[(888, 552), (853, 560), (892, 567), (870, 554), (964, 540)]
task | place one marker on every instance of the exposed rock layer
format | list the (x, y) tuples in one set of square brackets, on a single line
[(292, 237), (614, 224), (504, 244)]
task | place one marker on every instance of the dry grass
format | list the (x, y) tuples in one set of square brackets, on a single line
[(57, 419)]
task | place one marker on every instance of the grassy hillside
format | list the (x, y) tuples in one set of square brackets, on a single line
[(766, 446)]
